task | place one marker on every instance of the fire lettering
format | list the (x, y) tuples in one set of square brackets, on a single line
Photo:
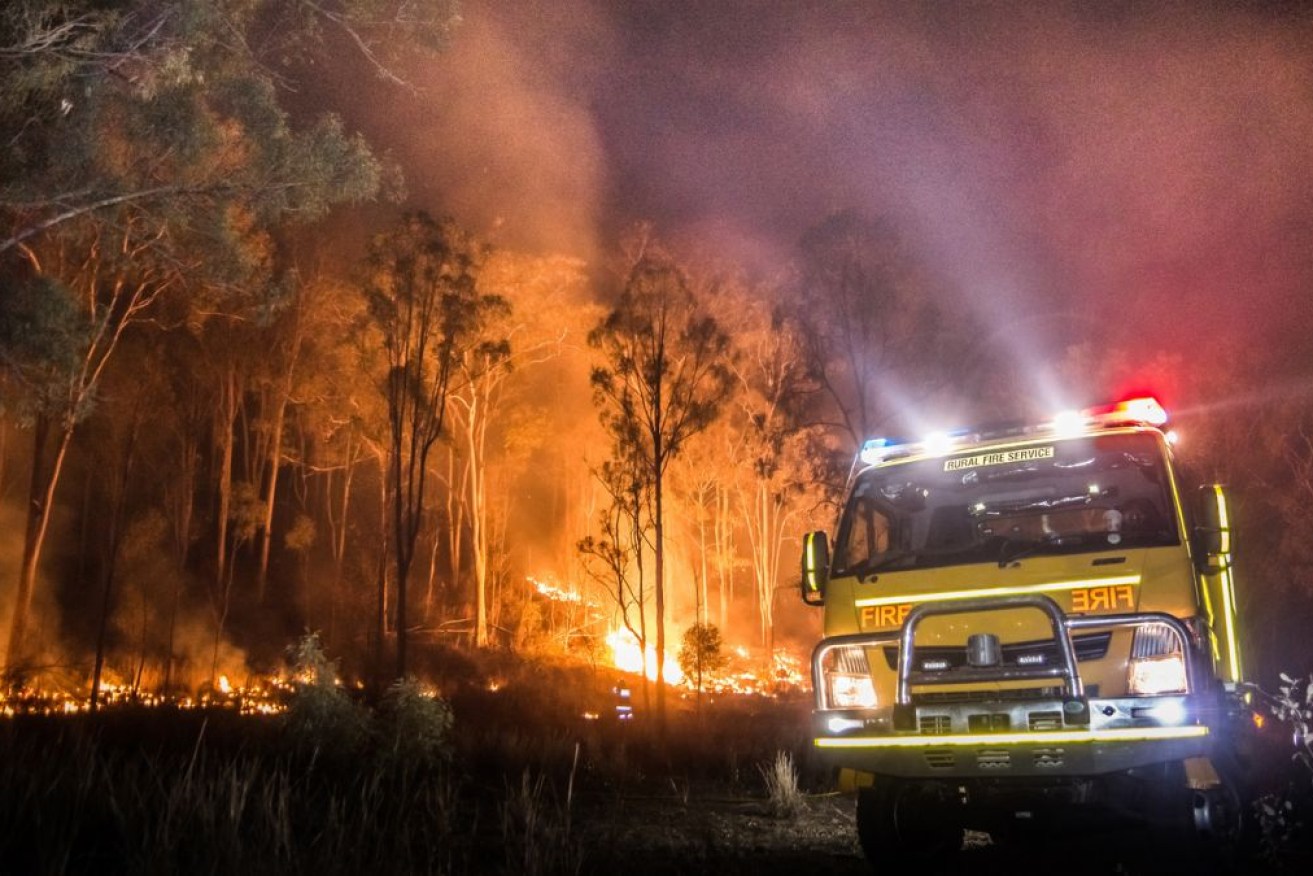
[(1000, 457), (879, 616), (1103, 598)]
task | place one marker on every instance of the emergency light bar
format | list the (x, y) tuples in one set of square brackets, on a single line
[(1144, 411), (1136, 411)]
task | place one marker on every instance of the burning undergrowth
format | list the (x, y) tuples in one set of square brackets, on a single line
[(493, 764)]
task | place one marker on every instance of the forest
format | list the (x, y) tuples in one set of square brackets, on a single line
[(252, 388), (403, 402)]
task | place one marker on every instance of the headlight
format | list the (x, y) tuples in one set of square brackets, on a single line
[(1157, 663), (1158, 675), (848, 683)]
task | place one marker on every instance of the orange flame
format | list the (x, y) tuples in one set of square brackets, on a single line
[(628, 657)]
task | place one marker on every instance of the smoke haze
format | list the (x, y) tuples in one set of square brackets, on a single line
[(1136, 175)]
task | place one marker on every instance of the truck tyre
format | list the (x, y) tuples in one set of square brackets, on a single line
[(903, 823), (1215, 831), (1204, 826)]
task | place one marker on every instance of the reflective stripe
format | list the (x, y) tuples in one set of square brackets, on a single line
[(811, 563), (1229, 613), (1052, 587), (1129, 734)]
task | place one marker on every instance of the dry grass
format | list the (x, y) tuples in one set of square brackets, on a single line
[(781, 778), (72, 803), (496, 783)]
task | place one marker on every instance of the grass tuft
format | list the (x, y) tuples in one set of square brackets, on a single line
[(785, 798)]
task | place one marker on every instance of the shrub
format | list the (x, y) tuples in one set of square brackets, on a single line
[(413, 725), (701, 652), (1294, 705), (1282, 815), (320, 717)]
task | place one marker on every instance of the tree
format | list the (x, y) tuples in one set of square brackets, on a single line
[(615, 559), (662, 381), (489, 401), (424, 299), (175, 88), (338, 426), (700, 653), (41, 348), (778, 473), (114, 280), (874, 336), (147, 154)]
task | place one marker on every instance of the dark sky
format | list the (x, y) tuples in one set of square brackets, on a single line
[(1140, 174)]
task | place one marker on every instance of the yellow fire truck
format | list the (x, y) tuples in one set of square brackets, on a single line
[(1023, 624)]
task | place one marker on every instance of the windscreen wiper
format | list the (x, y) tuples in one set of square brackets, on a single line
[(1025, 506), (1027, 546), (872, 564)]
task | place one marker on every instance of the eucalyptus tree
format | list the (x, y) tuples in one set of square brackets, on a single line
[(876, 336), (146, 153), (175, 105), (662, 377), (778, 469), (425, 301), (491, 401), (614, 558), (42, 339)]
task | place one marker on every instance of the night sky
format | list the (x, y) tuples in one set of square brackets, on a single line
[(1134, 175)]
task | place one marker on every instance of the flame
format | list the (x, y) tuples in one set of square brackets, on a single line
[(557, 593), (262, 696), (744, 675), (628, 657)]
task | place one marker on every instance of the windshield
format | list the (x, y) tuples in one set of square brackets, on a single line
[(1068, 496)]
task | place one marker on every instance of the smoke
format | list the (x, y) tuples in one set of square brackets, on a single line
[(45, 652), (61, 628), (499, 133), (1123, 187), (1129, 175), (11, 553)]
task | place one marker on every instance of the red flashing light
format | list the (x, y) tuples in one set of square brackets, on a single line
[(1143, 410)]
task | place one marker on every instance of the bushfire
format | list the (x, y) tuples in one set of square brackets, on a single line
[(628, 656), (743, 673), (267, 695)]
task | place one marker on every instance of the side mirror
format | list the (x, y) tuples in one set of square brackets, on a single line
[(1212, 532), (815, 567)]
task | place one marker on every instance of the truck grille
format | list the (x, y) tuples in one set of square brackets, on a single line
[(994, 759), (1044, 652), (1047, 720), (940, 759), (935, 725), (947, 697), (1049, 758)]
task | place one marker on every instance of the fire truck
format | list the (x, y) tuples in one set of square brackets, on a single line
[(1025, 628)]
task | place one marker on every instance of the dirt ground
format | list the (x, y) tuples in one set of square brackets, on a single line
[(672, 835), (719, 835)]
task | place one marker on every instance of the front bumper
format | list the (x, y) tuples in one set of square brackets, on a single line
[(1122, 734), (1066, 732)]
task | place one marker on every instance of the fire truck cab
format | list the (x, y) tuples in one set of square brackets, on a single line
[(1025, 627)]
